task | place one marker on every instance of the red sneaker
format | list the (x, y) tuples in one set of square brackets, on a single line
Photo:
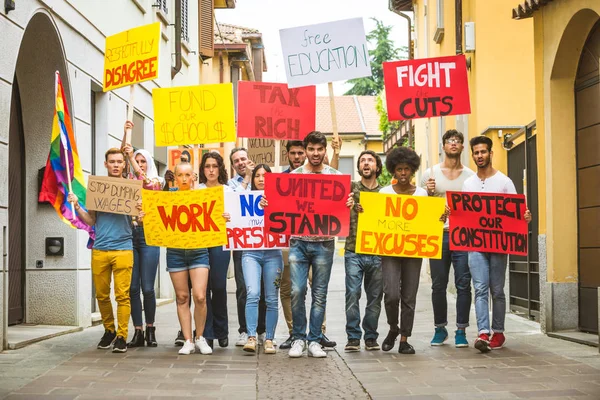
[(497, 341), (482, 343)]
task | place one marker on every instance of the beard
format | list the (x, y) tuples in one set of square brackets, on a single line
[(452, 155), (367, 175), (316, 162)]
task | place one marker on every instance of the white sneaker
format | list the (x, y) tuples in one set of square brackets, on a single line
[(297, 349), (315, 350), (188, 348), (242, 339), (202, 346), (261, 339)]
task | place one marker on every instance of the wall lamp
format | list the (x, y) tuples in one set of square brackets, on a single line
[(55, 246)]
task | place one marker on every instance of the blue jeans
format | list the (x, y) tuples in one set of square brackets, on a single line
[(217, 322), (145, 265), (440, 271), (357, 267), (256, 264), (489, 271), (303, 255)]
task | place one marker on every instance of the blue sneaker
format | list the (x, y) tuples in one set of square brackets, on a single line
[(460, 338), (440, 336)]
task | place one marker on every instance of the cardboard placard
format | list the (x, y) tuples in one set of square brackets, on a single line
[(272, 110), (246, 229), (488, 222), (322, 53), (188, 219), (131, 56), (307, 204), (283, 159), (428, 87), (194, 114), (400, 225), (262, 151), (113, 195)]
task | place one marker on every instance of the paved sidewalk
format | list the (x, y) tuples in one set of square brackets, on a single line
[(531, 366)]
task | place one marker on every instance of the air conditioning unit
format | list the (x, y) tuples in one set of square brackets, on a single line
[(469, 37)]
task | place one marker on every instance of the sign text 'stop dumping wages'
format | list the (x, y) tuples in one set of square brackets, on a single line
[(131, 56), (322, 53)]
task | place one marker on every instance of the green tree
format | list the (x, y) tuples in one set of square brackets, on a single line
[(384, 51)]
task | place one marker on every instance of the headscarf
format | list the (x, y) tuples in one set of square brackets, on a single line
[(151, 172)]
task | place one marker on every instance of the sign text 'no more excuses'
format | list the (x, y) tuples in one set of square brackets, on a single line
[(428, 87), (307, 204), (272, 110), (400, 226), (194, 114), (327, 52)]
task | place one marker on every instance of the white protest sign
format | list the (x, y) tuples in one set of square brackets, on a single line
[(245, 230), (322, 53)]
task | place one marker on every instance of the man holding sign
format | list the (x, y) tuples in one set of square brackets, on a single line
[(112, 258), (488, 269), (449, 175), (308, 251)]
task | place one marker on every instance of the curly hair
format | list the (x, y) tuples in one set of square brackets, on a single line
[(259, 166), (377, 161), (402, 155), (222, 171)]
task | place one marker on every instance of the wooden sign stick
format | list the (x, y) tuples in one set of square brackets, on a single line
[(333, 113)]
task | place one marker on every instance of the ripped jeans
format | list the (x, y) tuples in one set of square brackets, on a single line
[(268, 265)]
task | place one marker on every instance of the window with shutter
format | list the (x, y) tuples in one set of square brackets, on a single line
[(185, 35), (206, 27), (162, 5)]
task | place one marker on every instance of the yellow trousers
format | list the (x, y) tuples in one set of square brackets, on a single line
[(105, 264), (285, 293)]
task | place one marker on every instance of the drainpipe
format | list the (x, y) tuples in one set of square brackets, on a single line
[(410, 57), (175, 70), (221, 68), (459, 22)]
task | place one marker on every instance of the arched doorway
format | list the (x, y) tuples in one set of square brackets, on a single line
[(587, 103), (32, 107)]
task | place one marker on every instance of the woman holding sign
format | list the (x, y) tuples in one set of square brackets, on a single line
[(401, 274), (256, 263), (145, 258), (212, 173), (193, 265)]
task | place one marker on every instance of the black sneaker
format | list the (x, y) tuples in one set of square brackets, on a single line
[(371, 344), (224, 342), (352, 345), (390, 340), (326, 343), (406, 348), (137, 340), (107, 340), (119, 346), (180, 340), (287, 344)]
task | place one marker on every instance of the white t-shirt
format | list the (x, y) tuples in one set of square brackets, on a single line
[(390, 190), (497, 183), (443, 184)]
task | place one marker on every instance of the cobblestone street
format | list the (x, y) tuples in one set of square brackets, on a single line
[(531, 366)]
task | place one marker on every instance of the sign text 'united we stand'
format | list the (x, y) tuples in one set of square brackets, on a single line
[(322, 53), (427, 87)]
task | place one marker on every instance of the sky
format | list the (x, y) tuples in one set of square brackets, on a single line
[(269, 16)]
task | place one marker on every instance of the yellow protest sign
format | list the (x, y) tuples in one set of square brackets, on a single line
[(194, 114), (400, 226), (187, 219), (131, 56)]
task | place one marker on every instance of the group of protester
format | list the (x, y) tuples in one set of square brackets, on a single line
[(264, 276)]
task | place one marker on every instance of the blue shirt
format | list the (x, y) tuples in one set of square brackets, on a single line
[(113, 232), (235, 183)]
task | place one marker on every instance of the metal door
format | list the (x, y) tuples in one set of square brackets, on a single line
[(16, 212), (524, 272)]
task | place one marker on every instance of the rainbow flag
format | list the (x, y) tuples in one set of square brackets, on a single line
[(55, 186)]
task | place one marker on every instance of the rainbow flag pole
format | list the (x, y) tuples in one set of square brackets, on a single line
[(63, 140)]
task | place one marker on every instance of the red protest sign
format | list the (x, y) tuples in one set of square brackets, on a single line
[(307, 204), (272, 110), (488, 222), (428, 87)]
